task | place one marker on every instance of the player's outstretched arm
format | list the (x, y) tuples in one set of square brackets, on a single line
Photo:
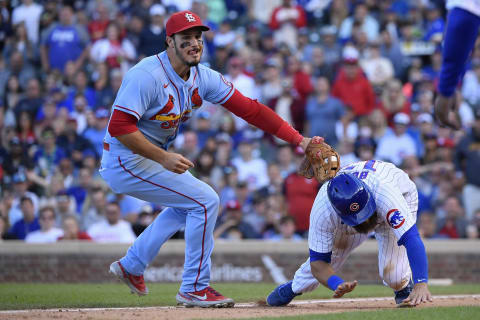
[(264, 118), (171, 161), (324, 273)]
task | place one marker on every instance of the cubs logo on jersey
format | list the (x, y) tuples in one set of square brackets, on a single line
[(196, 99), (395, 218)]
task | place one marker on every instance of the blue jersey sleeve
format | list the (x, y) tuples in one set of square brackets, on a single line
[(417, 256), (137, 92), (217, 89)]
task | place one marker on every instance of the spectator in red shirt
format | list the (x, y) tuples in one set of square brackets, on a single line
[(300, 194), (25, 132), (454, 224), (285, 21), (301, 79), (394, 101), (352, 86), (71, 231), (289, 105), (98, 26)]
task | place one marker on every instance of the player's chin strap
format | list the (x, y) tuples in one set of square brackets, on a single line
[(417, 256)]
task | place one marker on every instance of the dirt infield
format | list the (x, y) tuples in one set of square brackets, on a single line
[(242, 310)]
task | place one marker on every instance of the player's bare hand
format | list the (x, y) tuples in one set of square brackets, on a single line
[(419, 294), (446, 113), (345, 287), (176, 162), (306, 141)]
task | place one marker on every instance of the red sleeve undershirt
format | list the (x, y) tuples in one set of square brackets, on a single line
[(122, 123), (262, 117)]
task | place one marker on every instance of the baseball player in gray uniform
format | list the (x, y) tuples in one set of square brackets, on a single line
[(368, 196), (156, 96)]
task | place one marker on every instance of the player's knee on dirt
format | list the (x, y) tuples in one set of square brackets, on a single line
[(395, 283)]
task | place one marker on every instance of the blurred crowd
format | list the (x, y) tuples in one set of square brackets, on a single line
[(362, 74)]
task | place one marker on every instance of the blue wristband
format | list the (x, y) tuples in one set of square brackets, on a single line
[(334, 281)]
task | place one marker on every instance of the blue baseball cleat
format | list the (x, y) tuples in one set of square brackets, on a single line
[(282, 295), (403, 294)]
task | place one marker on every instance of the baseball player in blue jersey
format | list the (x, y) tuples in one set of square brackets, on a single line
[(369, 196), (461, 32), (156, 96)]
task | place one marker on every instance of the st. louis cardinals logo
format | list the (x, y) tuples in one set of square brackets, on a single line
[(190, 17), (196, 99), (395, 218), (166, 109), (169, 119)]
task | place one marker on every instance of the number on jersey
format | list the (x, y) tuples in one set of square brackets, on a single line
[(368, 167)]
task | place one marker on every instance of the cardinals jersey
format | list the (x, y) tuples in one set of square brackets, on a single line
[(156, 95)]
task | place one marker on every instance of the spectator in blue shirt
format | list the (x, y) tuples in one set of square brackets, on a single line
[(323, 112), (81, 188), (74, 144), (435, 24), (204, 128), (48, 155), (96, 133), (80, 86), (152, 37), (28, 223), (64, 42), (33, 100)]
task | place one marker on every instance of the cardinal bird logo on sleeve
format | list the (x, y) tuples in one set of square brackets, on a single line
[(196, 99), (166, 109)]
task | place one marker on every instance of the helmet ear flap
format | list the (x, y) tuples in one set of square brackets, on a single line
[(368, 224)]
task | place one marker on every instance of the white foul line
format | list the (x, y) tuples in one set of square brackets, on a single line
[(275, 271), (238, 305)]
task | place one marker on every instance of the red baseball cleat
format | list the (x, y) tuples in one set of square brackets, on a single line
[(135, 283), (206, 298)]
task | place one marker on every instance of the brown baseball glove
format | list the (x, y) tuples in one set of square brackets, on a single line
[(321, 161)]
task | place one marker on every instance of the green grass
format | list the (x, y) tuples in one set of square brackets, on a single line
[(442, 313), (63, 295)]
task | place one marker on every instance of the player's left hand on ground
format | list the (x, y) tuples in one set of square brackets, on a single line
[(344, 288), (419, 294), (321, 160), (446, 113)]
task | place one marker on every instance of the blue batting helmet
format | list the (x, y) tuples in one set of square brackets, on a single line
[(351, 198)]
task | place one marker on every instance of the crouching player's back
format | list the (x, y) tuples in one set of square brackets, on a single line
[(364, 198)]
